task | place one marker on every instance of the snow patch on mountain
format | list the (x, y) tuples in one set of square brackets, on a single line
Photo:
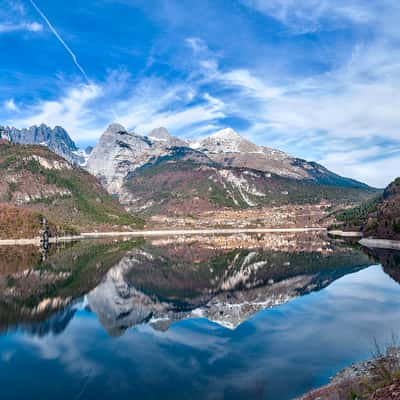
[(226, 141), (242, 185)]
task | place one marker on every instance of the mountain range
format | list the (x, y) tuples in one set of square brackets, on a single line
[(163, 174), (56, 139), (160, 173)]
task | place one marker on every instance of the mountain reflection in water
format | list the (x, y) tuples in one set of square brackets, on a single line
[(126, 283), (280, 314)]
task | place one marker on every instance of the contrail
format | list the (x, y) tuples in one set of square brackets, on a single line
[(61, 40)]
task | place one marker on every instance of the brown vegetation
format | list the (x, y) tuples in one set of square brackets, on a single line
[(375, 379), (34, 178), (17, 222)]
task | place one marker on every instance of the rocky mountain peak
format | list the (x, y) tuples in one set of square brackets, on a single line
[(57, 139), (226, 141), (159, 134), (121, 156), (4, 133), (115, 128), (117, 153), (227, 133)]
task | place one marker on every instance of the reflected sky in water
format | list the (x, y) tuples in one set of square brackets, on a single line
[(275, 353)]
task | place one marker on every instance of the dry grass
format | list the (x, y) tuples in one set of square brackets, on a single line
[(18, 222)]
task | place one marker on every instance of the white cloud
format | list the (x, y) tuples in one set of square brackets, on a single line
[(359, 99), (377, 172), (308, 15), (73, 111), (153, 103), (352, 107), (196, 44), (34, 27), (23, 26), (10, 105), (85, 110), (251, 84), (346, 117)]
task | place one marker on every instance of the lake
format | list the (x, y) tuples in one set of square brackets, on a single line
[(238, 317)]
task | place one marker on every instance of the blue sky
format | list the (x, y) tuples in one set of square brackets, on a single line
[(319, 79)]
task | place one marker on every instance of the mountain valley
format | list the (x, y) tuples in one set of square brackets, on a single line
[(160, 176)]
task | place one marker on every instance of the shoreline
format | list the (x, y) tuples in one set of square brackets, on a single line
[(370, 242), (380, 243), (365, 242), (154, 233), (345, 234), (364, 377)]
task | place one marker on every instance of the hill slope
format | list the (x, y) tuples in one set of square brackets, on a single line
[(34, 178), (186, 181), (378, 217)]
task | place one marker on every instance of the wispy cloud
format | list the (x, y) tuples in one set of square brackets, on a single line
[(61, 40), (14, 18), (310, 15), (74, 110), (196, 44), (10, 105), (85, 110), (23, 26), (378, 170), (328, 96)]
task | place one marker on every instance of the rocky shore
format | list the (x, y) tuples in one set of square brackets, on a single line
[(374, 379)]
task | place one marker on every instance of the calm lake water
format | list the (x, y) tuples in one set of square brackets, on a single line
[(241, 318)]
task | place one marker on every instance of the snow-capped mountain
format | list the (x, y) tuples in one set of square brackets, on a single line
[(230, 149), (119, 152), (164, 173), (226, 141)]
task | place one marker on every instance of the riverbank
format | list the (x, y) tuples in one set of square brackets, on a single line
[(369, 242), (345, 234), (380, 243), (374, 379), (156, 233)]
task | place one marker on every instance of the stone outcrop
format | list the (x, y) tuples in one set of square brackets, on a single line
[(56, 139)]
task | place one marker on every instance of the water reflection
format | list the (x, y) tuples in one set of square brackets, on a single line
[(126, 283), (280, 315), (32, 288)]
